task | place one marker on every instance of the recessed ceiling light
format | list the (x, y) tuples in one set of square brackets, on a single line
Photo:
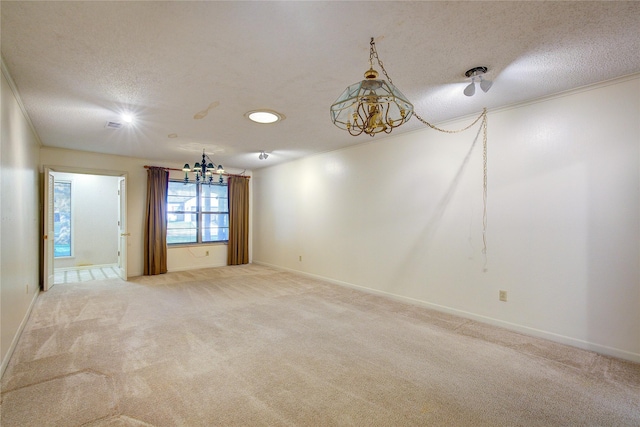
[(264, 116), (127, 118)]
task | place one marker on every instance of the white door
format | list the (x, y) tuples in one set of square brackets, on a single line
[(49, 233), (122, 228)]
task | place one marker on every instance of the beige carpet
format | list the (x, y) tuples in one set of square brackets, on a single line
[(253, 346)]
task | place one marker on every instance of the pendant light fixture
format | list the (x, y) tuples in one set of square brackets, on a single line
[(203, 171), (372, 105)]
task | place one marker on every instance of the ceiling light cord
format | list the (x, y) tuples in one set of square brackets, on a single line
[(483, 125)]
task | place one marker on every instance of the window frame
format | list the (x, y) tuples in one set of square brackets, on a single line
[(199, 213), (70, 183)]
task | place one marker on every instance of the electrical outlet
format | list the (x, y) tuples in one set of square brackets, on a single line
[(27, 289), (300, 258), (503, 296), (206, 253)]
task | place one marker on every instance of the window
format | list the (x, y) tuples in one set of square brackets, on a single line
[(197, 213), (62, 219)]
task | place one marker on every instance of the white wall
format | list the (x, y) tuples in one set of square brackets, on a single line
[(20, 224), (183, 258), (196, 256), (563, 218), (94, 220)]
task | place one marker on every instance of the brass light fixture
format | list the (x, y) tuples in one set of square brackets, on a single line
[(372, 105), (204, 171)]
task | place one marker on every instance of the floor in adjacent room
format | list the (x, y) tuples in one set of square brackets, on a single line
[(85, 274)]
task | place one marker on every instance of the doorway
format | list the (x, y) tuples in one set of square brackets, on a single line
[(85, 223)]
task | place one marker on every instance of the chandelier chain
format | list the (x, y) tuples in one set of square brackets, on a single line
[(373, 53), (484, 187), (483, 124), (482, 115)]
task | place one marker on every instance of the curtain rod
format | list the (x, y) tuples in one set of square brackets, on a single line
[(175, 169)]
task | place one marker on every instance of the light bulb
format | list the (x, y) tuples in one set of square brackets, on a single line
[(485, 85), (471, 89)]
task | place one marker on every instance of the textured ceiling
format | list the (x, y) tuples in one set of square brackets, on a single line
[(191, 70)]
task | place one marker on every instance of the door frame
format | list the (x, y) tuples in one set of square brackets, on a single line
[(47, 251), (123, 234), (47, 225)]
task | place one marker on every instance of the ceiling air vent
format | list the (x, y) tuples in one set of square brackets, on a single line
[(113, 125)]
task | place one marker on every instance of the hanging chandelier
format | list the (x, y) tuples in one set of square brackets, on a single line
[(203, 171), (371, 106)]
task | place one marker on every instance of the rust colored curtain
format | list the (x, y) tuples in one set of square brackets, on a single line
[(155, 223), (238, 248)]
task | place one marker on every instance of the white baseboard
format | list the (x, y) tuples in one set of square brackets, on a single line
[(16, 338), (551, 336)]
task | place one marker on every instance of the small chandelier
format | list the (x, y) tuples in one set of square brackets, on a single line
[(371, 106), (204, 171)]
